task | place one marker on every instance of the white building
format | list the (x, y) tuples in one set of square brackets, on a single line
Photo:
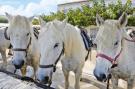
[(78, 3), (72, 5)]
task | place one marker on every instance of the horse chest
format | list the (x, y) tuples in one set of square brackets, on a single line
[(70, 64)]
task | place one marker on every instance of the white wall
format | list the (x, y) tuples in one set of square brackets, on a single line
[(66, 7)]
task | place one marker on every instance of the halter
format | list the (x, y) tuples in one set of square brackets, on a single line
[(53, 65), (113, 60), (21, 49), (5, 33), (16, 49)]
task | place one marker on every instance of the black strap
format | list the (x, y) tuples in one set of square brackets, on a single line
[(87, 54), (36, 33), (10, 46), (53, 65), (21, 49), (5, 33), (108, 81), (28, 79)]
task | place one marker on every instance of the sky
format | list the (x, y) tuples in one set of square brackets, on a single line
[(29, 7)]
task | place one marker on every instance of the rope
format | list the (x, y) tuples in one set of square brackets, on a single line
[(28, 79), (108, 81)]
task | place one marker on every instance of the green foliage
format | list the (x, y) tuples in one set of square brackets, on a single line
[(35, 22), (131, 21), (3, 20), (86, 15)]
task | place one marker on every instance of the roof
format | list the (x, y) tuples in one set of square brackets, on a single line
[(74, 1)]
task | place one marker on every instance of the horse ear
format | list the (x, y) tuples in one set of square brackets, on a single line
[(99, 20), (41, 21), (123, 19), (31, 18), (65, 20), (9, 17)]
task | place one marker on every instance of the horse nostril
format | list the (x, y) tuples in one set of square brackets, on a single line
[(22, 62), (46, 78), (102, 76), (19, 65)]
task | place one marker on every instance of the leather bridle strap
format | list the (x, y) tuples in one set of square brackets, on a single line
[(21, 49), (112, 60), (53, 65), (5, 33)]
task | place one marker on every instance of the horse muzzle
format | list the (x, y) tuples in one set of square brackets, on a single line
[(100, 77), (19, 64)]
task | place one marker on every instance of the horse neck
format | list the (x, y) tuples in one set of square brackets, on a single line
[(73, 43), (128, 51), (33, 45)]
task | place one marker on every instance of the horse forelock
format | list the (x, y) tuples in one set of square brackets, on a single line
[(20, 23)]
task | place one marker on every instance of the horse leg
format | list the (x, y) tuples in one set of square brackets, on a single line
[(130, 83), (3, 54), (10, 52), (114, 82), (66, 75), (34, 64), (78, 74)]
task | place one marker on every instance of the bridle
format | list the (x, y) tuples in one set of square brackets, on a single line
[(17, 49), (21, 49), (113, 60), (5, 34), (54, 65)]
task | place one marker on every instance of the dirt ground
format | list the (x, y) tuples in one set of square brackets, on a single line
[(58, 77)]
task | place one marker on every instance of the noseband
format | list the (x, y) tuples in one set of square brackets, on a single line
[(54, 65), (21, 49), (113, 60), (16, 49)]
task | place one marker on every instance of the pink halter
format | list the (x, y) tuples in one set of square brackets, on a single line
[(112, 60)]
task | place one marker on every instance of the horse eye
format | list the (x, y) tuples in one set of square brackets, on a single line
[(28, 34), (116, 43), (56, 45)]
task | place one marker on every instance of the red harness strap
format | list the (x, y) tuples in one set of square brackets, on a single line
[(112, 60)]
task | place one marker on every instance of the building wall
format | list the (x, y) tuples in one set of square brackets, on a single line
[(74, 5)]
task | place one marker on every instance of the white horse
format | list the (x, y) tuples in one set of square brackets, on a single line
[(60, 40), (4, 45), (114, 46), (23, 41)]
